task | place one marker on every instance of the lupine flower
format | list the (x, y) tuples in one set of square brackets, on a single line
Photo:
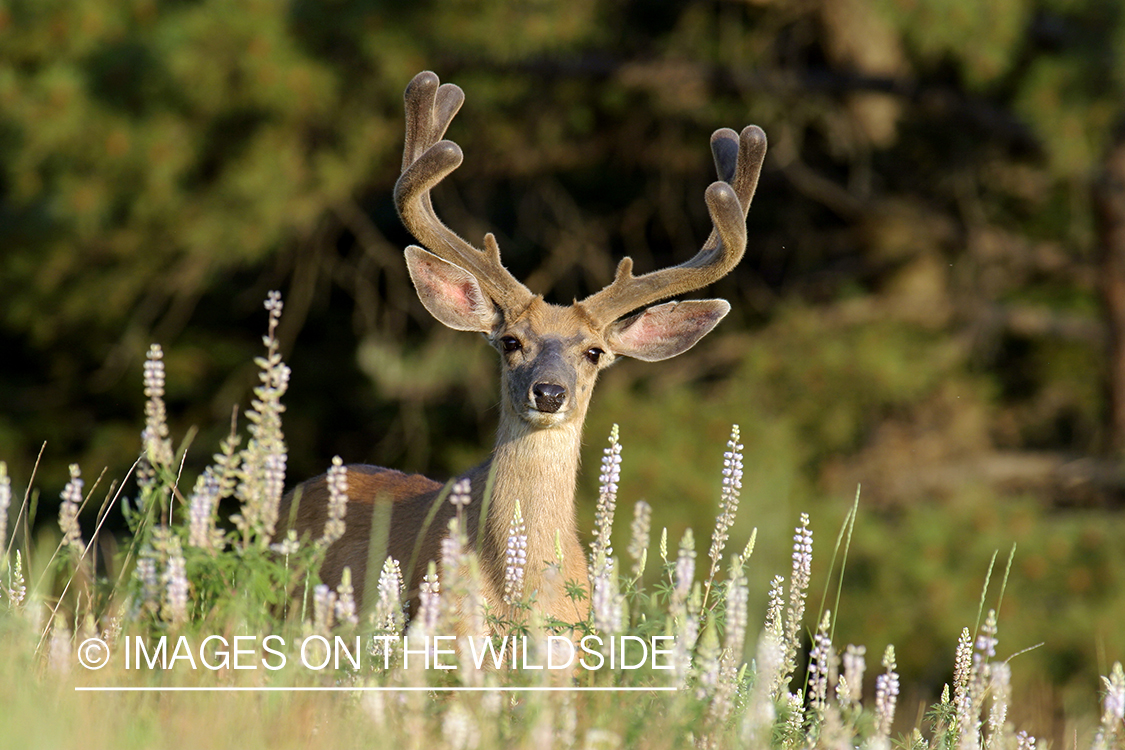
[(734, 642), (849, 691), (262, 461), (775, 608), (798, 590), (337, 502), (606, 602), (707, 661), (175, 583), (515, 558), (287, 546), (145, 572), (962, 670), (1114, 709), (157, 446), (757, 721), (429, 601), (388, 610), (687, 631), (685, 570), (1026, 742), (639, 536), (602, 548), (820, 664), (728, 502), (5, 502), (324, 609), (344, 605), (886, 696), (18, 588), (460, 495), (68, 511), (1001, 698), (201, 511)]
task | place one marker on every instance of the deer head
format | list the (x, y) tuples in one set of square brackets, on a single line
[(551, 354)]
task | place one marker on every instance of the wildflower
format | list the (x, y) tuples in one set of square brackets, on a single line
[(639, 536), (287, 546), (324, 608), (798, 590), (344, 606), (68, 511), (602, 549), (820, 664), (5, 501), (685, 569), (388, 610), (758, 720), (708, 661), (175, 583), (337, 502), (201, 513), (17, 589), (157, 446), (460, 495), (606, 600), (886, 696), (776, 604), (515, 558), (736, 601), (728, 503), (1026, 742), (145, 573), (262, 462), (429, 604), (1001, 698), (687, 631), (1114, 709), (849, 691), (962, 669)]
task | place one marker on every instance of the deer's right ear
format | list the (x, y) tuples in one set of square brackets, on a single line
[(449, 292)]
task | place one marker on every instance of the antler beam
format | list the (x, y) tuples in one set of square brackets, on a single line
[(426, 161), (738, 162)]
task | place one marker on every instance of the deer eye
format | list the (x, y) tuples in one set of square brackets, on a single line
[(593, 354), (510, 344)]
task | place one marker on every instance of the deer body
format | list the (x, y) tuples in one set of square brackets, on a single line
[(550, 358)]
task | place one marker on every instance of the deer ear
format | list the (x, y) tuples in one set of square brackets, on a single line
[(665, 330), (449, 292)]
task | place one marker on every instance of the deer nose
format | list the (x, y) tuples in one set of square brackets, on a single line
[(549, 397)]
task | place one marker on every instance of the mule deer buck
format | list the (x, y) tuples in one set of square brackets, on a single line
[(550, 357)]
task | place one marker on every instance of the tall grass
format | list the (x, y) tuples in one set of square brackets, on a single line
[(199, 570)]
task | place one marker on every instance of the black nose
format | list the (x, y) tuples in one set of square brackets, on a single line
[(548, 397)]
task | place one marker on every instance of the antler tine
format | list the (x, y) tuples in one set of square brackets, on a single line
[(738, 162), (426, 161)]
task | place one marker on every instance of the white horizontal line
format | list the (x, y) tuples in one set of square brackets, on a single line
[(80, 689)]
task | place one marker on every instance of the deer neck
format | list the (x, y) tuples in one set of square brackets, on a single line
[(538, 468)]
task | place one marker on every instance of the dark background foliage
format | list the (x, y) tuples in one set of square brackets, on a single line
[(932, 303)]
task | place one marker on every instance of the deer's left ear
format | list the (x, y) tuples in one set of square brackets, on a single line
[(666, 330)]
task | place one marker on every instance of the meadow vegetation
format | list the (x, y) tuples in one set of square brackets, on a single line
[(206, 562)]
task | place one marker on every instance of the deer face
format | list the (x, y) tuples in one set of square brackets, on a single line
[(551, 355), (550, 359)]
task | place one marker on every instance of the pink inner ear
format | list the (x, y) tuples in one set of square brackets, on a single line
[(645, 332), (464, 295)]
